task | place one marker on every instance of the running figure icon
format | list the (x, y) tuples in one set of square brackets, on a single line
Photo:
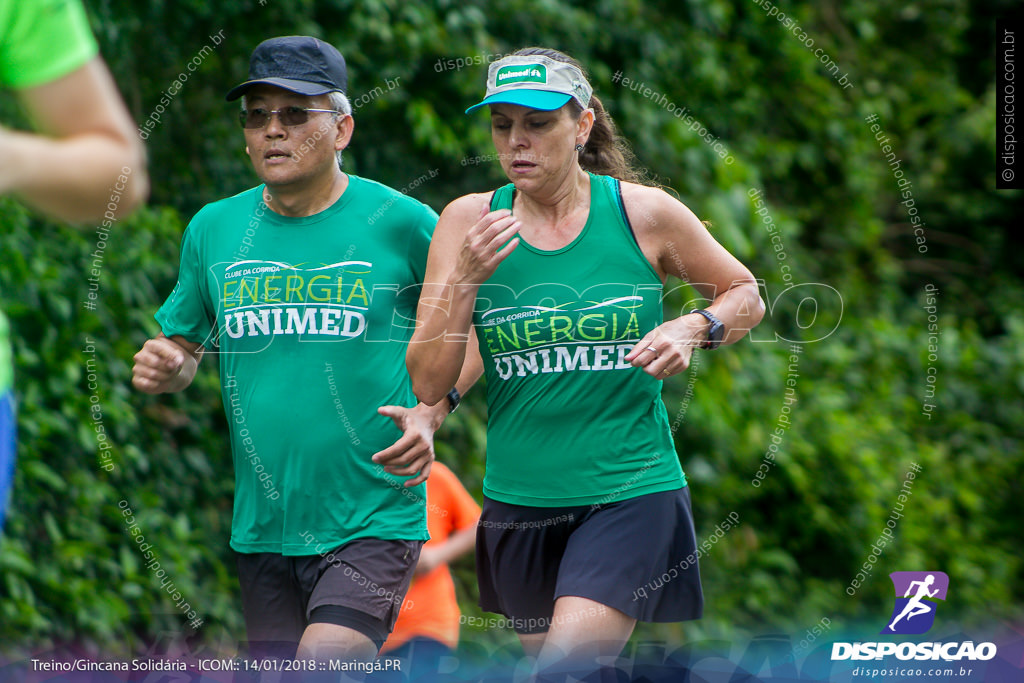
[(917, 594), (915, 606)]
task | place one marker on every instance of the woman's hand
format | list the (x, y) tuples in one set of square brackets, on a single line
[(666, 350), (482, 249)]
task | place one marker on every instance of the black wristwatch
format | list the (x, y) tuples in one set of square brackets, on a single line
[(715, 332), (453, 400)]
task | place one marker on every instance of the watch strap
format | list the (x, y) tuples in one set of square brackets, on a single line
[(715, 332)]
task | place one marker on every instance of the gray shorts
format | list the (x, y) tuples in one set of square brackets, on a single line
[(359, 585)]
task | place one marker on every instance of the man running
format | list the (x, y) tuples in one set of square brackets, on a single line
[(307, 287)]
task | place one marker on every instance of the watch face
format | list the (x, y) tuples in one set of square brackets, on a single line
[(453, 400), (716, 332)]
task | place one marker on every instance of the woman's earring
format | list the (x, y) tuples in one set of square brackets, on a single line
[(579, 148)]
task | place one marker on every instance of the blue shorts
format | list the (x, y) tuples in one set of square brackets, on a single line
[(7, 447)]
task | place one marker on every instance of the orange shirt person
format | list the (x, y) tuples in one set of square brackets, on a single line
[(428, 624)]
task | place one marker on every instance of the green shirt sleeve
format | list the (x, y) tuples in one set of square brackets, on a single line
[(187, 311), (42, 41)]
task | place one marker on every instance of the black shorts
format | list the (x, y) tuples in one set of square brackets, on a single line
[(616, 554), (359, 585)]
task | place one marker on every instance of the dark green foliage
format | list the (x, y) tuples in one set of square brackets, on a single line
[(70, 571), (71, 567)]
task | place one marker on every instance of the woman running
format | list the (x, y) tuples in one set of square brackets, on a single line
[(558, 277)]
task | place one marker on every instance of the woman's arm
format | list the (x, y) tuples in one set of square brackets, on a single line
[(677, 243), (464, 253)]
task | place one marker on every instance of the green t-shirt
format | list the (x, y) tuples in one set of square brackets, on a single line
[(42, 40), (310, 318), (570, 422)]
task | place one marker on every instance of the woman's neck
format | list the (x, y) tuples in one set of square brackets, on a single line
[(557, 206)]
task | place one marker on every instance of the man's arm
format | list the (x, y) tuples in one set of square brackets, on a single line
[(87, 156), (166, 364)]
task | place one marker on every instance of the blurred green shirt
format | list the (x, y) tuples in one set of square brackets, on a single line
[(40, 41)]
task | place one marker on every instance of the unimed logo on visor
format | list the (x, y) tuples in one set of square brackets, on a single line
[(521, 73)]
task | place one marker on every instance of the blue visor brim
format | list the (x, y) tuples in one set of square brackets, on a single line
[(534, 99)]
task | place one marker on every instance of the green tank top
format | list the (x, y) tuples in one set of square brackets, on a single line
[(569, 421)]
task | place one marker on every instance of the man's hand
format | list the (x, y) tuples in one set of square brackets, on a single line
[(163, 365), (413, 453)]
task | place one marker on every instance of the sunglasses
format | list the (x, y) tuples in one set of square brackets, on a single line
[(288, 116)]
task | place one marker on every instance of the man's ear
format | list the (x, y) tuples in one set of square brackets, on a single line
[(345, 127)]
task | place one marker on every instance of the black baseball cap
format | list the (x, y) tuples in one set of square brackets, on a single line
[(302, 64)]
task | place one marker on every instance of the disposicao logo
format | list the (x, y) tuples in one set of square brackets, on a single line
[(913, 614), (521, 73), (916, 593)]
